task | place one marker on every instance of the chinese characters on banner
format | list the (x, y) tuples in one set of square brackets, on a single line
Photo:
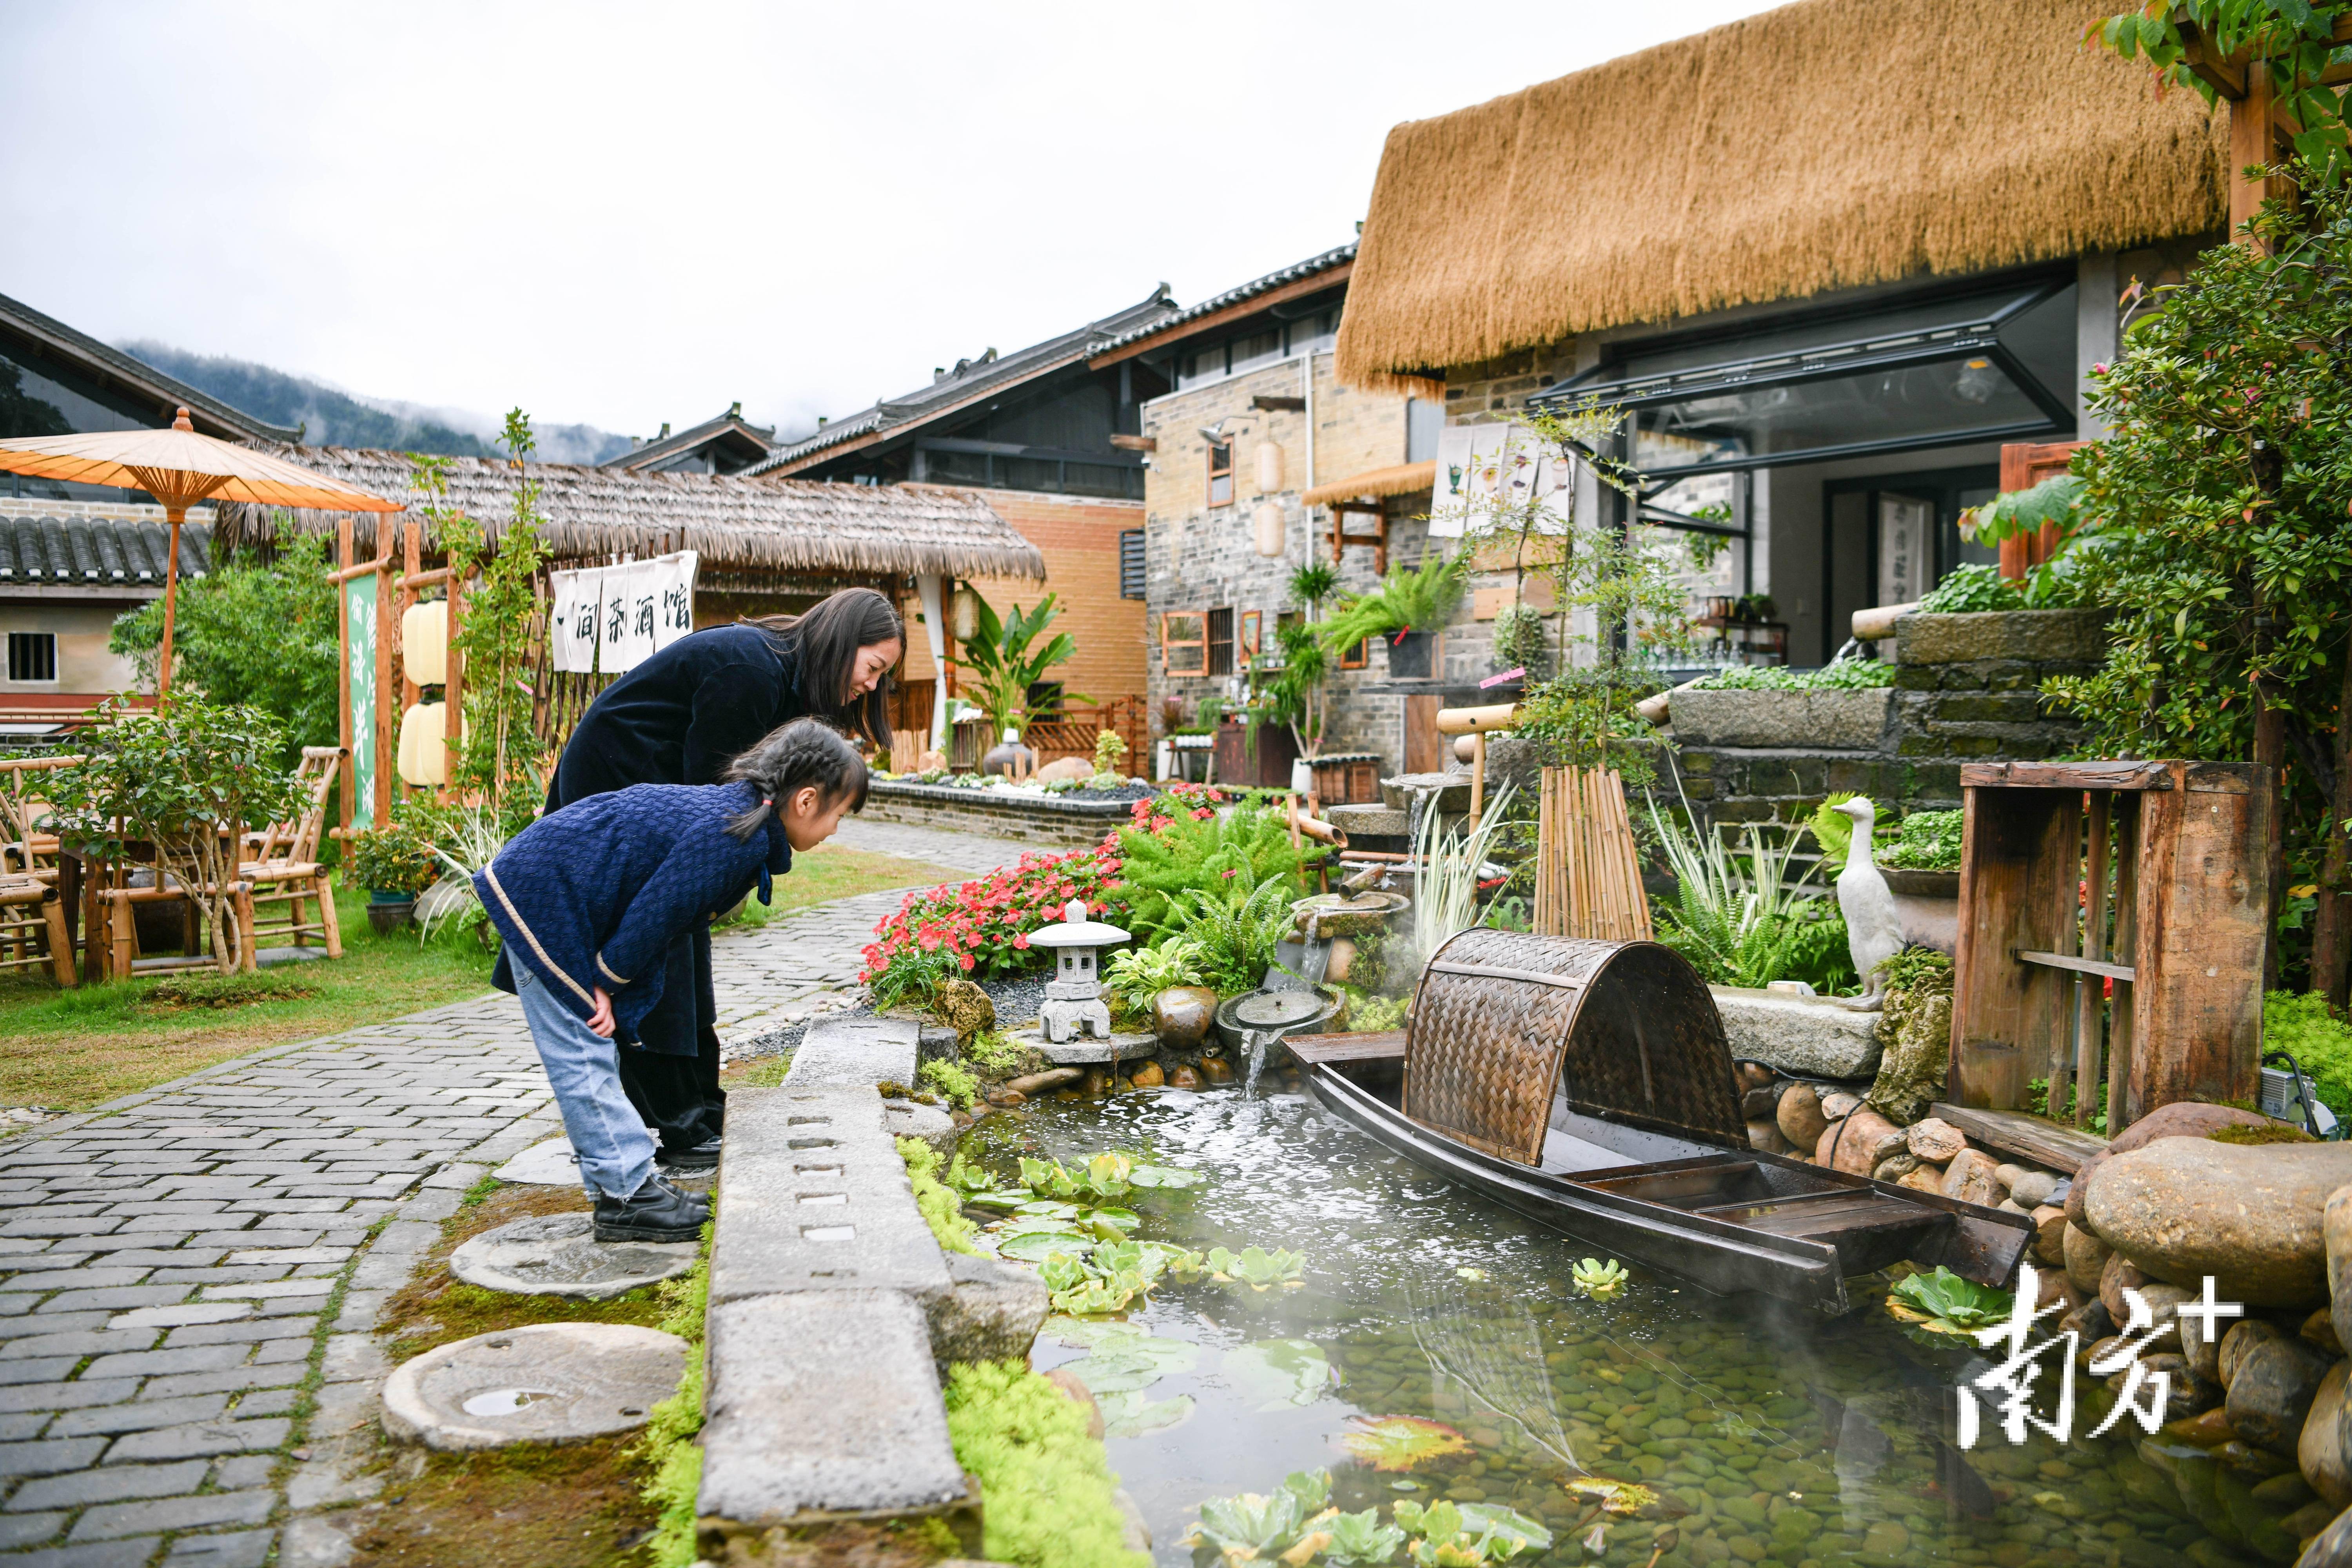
[(2142, 1396), (612, 618)]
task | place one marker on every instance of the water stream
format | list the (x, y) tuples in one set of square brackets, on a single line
[(1791, 1441)]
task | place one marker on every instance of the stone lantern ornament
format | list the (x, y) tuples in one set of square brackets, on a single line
[(1074, 1003)]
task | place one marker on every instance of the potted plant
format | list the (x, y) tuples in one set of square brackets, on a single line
[(1411, 606), (394, 868), (1003, 668)]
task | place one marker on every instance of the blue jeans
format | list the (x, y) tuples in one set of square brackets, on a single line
[(617, 1152)]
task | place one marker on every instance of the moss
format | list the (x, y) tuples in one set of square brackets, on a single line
[(1048, 1484), (951, 1083), (941, 1211), (995, 1055), (1916, 1027), (2258, 1135), (668, 1449)]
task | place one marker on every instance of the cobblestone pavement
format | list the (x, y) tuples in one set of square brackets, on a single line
[(189, 1276)]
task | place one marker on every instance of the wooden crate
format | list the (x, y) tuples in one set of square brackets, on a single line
[(1350, 778), (2151, 875)]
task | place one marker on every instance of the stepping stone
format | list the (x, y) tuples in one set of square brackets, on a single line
[(906, 1119), (856, 1053), (558, 1255), (548, 1382), (1088, 1050), (549, 1164)]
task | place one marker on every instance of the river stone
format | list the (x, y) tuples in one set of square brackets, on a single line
[(2088, 1322), (2050, 1238), (2204, 1355), (549, 1164), (2250, 1215), (1925, 1179), (1934, 1140), (1970, 1178), (1147, 1075), (1837, 1105), (2008, 1175), (2331, 1548), (2319, 1453), (2182, 1118), (2319, 1332), (2032, 1189), (2118, 1277), (2239, 1340), (547, 1383), (1800, 1115), (1765, 1134), (2085, 1255), (1758, 1104), (1858, 1143), (1806, 1034), (2271, 1391), (1895, 1166), (558, 1255), (2337, 1221)]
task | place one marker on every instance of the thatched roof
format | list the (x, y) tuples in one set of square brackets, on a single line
[(736, 524), (1826, 144), (1403, 480)]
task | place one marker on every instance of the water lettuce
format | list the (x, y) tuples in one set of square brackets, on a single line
[(1601, 1281), (1953, 1305), (1401, 1443)]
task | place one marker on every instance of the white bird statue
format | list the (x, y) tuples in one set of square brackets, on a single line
[(1874, 924)]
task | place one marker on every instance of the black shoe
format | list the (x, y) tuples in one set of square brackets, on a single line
[(655, 1211), (703, 1156)]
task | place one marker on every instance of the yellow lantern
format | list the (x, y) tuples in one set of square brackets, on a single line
[(1269, 467), (424, 752), (1272, 533), (425, 643)]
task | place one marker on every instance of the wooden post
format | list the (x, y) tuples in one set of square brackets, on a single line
[(2090, 988), (349, 775), (387, 711), (410, 563), (2123, 1009), (2253, 140)]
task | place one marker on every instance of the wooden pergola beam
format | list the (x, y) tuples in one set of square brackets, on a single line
[(2256, 118)]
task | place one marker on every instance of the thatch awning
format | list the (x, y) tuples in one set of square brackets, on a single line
[(1827, 144), (1404, 480), (737, 525)]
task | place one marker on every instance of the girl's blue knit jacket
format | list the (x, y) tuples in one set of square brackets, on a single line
[(594, 894)]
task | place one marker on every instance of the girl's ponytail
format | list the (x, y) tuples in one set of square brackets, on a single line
[(799, 755)]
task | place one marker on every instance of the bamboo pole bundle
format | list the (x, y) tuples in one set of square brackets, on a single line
[(1588, 872)]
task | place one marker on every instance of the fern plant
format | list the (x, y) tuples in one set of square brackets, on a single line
[(1408, 599), (1236, 937), (1743, 920), (1157, 866)]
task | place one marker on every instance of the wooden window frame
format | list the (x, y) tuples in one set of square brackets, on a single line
[(1357, 658), (1250, 636), (1171, 644), (1213, 621), (1224, 473)]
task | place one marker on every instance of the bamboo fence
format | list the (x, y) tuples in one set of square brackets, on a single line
[(1588, 872)]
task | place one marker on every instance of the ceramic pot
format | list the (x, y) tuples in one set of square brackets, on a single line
[(1001, 758), (1181, 1015), (387, 912)]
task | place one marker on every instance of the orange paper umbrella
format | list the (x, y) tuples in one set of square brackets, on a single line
[(180, 468)]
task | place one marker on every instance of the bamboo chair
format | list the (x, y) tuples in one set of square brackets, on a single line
[(32, 918), (284, 872), (25, 850)]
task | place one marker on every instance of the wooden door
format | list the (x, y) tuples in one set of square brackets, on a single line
[(1424, 748)]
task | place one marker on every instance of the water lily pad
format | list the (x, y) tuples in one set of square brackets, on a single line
[(1006, 1198), (1040, 1225), (1399, 1443), (1279, 1372), (1164, 1176), (1049, 1207), (1131, 1414), (1033, 1246)]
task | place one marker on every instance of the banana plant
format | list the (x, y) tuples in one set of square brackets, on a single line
[(1004, 666)]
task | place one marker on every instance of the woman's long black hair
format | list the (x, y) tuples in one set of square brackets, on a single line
[(827, 640), (789, 759)]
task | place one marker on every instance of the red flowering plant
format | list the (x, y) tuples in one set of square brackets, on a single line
[(981, 927)]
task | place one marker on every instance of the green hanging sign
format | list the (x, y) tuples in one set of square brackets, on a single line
[(359, 652)]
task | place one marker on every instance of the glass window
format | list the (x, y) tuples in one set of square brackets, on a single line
[(955, 468), (1257, 349), (1221, 642), (1183, 642), (33, 655), (1221, 474), (1204, 365)]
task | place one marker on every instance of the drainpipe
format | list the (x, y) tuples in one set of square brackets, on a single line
[(1307, 387)]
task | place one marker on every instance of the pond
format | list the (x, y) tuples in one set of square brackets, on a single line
[(1790, 1440)]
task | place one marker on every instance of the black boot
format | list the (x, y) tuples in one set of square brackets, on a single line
[(703, 1156), (655, 1211)]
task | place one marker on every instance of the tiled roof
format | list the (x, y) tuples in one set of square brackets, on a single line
[(49, 549), (136, 376), (1294, 273)]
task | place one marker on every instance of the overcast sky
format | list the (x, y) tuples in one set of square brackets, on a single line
[(623, 214)]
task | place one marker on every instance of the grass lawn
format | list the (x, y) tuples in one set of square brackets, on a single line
[(70, 1050)]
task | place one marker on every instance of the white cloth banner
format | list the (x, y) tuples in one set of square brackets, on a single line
[(1485, 473), (612, 618)]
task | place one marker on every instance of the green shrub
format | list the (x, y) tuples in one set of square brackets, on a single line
[(1846, 675), (1048, 1484), (1133, 977), (669, 1449), (2320, 1043), (942, 1211), (1180, 844), (1925, 841), (389, 860)]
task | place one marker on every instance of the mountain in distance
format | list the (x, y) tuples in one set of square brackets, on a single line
[(330, 418)]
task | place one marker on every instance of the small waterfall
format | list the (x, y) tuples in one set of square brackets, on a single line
[(1255, 1041)]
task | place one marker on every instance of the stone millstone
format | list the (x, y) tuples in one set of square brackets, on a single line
[(1277, 1009), (549, 1164), (548, 1382), (1120, 1046), (558, 1255)]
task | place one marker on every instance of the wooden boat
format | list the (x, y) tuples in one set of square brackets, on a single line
[(1586, 1085)]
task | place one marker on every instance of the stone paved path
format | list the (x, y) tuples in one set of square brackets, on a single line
[(189, 1276)]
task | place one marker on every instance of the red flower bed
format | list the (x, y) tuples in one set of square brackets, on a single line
[(984, 926)]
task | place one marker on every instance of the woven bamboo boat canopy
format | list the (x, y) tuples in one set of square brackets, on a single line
[(735, 524), (1404, 479), (1826, 144), (1507, 1023)]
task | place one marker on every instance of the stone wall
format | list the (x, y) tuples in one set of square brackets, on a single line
[(1047, 822), (1966, 690)]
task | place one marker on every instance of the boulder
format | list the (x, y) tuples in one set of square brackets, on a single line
[(2331, 1548), (1808, 1035), (1147, 1075), (1066, 770), (2032, 1189), (2319, 1452), (2336, 1221), (1925, 1179), (2182, 1118), (992, 1313), (2085, 1255), (1895, 1166), (1800, 1115), (2251, 1215), (1934, 1140), (2050, 1238), (1765, 1134), (2272, 1391), (1181, 1016), (2319, 1331), (1184, 1077), (1970, 1179), (1858, 1143), (2088, 1322)]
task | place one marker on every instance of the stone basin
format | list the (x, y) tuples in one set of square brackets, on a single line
[(1271, 1015), (547, 1383), (1340, 914), (1406, 791)]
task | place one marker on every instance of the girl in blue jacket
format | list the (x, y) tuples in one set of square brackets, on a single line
[(590, 900)]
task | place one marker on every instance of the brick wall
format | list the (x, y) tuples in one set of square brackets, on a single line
[(1079, 540), (1199, 557)]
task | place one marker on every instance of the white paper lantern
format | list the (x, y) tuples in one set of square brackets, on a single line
[(425, 642), (1269, 467), (1272, 533), (424, 750)]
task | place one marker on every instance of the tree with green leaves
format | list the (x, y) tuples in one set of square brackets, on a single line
[(1004, 663), (2292, 40), (253, 632)]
